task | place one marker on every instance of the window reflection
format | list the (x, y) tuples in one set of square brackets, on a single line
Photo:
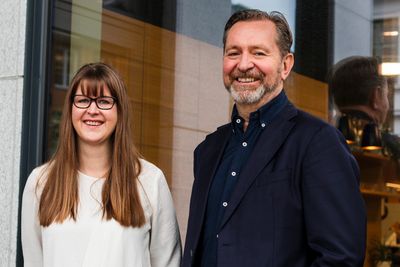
[(170, 55)]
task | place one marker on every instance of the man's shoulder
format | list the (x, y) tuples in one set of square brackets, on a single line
[(308, 120), (218, 134), (310, 126), (306, 124)]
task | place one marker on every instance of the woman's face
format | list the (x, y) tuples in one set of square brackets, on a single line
[(93, 125)]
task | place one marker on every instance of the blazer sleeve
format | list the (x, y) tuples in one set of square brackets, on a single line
[(334, 210), (165, 243), (31, 235)]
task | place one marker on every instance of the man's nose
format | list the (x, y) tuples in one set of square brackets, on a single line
[(245, 62)]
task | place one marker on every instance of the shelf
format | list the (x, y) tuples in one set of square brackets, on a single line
[(377, 193), (370, 155)]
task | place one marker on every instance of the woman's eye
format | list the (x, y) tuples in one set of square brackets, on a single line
[(104, 101), (83, 100)]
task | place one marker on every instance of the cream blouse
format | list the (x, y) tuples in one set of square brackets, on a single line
[(93, 241)]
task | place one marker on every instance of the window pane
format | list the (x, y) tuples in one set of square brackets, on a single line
[(169, 54)]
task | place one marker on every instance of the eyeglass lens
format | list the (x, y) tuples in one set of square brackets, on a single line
[(102, 102)]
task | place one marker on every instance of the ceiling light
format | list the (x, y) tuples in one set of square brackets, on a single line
[(391, 33), (390, 68)]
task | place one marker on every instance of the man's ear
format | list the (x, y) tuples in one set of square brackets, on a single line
[(287, 65), (375, 98)]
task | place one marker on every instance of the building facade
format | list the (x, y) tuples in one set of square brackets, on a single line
[(12, 31), (170, 55)]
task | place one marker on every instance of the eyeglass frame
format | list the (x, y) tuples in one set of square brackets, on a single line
[(95, 101)]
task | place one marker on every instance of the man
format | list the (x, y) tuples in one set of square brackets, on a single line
[(276, 186), (360, 91)]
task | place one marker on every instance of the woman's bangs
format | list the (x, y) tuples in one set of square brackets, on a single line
[(92, 87)]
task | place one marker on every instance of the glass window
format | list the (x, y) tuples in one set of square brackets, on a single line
[(170, 55)]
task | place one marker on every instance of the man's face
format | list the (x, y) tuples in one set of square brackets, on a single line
[(383, 103), (253, 67)]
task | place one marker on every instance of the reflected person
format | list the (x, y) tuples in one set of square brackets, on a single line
[(97, 202), (275, 186), (360, 92)]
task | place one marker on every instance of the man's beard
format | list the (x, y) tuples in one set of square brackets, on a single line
[(251, 96)]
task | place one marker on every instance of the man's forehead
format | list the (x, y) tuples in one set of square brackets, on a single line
[(251, 31), (252, 25)]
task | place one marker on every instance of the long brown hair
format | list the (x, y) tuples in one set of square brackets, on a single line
[(120, 197)]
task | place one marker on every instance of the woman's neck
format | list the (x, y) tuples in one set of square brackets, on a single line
[(95, 161)]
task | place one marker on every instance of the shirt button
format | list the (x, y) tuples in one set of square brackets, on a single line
[(233, 173), (244, 144), (238, 121), (217, 236), (225, 204), (263, 125)]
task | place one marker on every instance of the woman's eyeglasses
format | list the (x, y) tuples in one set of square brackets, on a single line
[(102, 102)]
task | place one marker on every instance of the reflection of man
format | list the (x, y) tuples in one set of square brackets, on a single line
[(359, 91), (276, 186)]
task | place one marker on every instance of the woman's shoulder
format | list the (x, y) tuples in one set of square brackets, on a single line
[(36, 176), (149, 169), (151, 176)]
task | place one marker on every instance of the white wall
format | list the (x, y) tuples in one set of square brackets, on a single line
[(12, 48), (353, 28), (386, 9)]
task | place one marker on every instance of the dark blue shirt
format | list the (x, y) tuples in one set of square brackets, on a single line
[(236, 153)]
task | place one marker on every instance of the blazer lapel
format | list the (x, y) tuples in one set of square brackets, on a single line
[(267, 145), (208, 164)]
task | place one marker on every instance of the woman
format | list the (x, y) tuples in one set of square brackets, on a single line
[(96, 202)]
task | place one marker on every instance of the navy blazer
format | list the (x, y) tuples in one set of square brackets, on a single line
[(297, 201)]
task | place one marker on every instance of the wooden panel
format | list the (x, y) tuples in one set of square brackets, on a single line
[(125, 33), (157, 126), (122, 48), (130, 71), (158, 86), (308, 94), (159, 48)]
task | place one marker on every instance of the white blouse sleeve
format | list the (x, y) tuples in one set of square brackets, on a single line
[(165, 243), (30, 227)]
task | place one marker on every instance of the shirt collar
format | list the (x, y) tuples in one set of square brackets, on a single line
[(357, 114), (264, 115)]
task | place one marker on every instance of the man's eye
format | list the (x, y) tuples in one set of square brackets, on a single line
[(259, 53), (232, 53)]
